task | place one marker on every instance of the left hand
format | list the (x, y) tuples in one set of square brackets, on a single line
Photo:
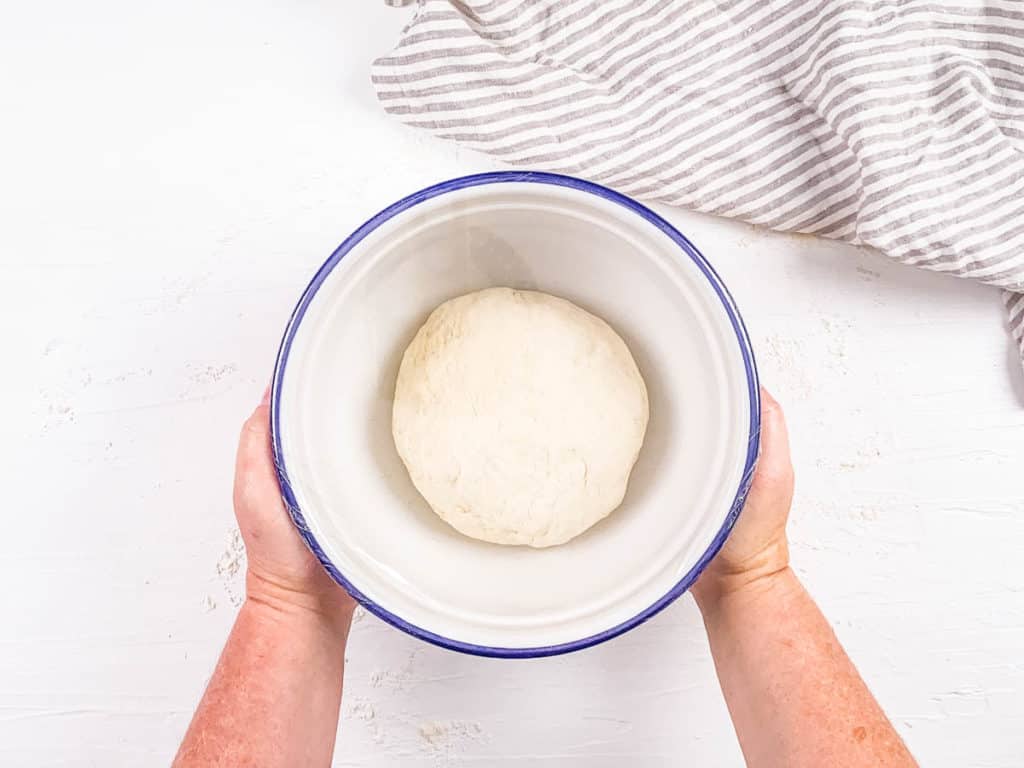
[(282, 573)]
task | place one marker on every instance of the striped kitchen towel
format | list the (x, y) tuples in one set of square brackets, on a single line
[(896, 124)]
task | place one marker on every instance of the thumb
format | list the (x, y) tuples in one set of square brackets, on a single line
[(256, 487), (772, 487)]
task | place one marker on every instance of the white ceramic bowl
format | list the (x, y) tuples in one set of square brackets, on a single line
[(350, 495)]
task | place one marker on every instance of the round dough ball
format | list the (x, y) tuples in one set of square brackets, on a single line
[(519, 416)]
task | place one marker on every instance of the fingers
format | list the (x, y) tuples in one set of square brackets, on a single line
[(773, 479), (255, 477)]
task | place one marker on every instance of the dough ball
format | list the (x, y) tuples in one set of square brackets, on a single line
[(519, 416)]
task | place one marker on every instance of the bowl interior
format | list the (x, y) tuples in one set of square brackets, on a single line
[(335, 385)]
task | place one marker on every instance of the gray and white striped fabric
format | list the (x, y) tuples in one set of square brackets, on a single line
[(897, 125)]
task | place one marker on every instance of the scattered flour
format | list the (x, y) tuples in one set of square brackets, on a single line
[(444, 739), (396, 679), (229, 567), (210, 374), (360, 709), (233, 558)]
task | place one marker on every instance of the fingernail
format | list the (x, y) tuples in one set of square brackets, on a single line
[(266, 396)]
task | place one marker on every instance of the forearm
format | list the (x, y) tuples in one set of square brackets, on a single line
[(795, 698), (274, 697)]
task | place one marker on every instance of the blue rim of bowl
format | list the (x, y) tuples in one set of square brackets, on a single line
[(504, 177)]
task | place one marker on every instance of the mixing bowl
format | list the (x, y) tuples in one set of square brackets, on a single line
[(349, 494)]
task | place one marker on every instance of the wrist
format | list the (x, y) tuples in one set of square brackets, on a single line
[(713, 590), (329, 611)]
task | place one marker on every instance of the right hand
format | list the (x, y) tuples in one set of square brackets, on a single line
[(756, 550)]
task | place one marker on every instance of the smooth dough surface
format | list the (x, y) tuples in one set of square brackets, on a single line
[(519, 416)]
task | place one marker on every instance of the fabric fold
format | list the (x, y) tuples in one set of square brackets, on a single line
[(894, 125)]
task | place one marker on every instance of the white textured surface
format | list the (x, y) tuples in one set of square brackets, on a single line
[(171, 177)]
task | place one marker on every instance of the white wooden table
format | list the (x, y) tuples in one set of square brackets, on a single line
[(172, 173)]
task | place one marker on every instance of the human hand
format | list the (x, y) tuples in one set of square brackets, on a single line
[(282, 574), (756, 550)]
